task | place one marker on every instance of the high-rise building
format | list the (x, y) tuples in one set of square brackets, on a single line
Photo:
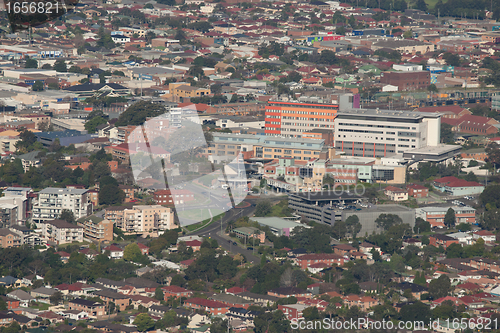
[(141, 218), (380, 133), (293, 119)]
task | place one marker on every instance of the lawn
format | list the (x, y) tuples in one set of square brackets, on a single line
[(432, 3), (41, 306), (198, 214)]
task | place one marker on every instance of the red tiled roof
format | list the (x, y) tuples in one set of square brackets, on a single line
[(174, 289)]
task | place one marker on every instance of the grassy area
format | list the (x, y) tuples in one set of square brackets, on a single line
[(432, 3), (198, 214), (196, 226), (40, 306)]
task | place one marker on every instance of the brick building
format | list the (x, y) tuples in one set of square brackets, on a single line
[(175, 291), (407, 80), (417, 191), (121, 301), (96, 228), (9, 238), (438, 240)]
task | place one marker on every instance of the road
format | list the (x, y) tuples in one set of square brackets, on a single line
[(214, 230)]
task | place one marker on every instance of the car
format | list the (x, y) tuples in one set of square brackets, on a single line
[(234, 243), (249, 248)]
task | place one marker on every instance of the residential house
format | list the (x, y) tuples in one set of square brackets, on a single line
[(9, 238), (22, 296), (93, 309), (457, 187), (325, 258), (486, 235), (438, 240), (42, 294), (114, 251), (417, 191), (396, 193)]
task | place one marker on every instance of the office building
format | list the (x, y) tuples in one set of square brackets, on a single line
[(51, 202), (228, 145), (380, 133), (279, 226), (435, 215), (293, 119), (61, 232)]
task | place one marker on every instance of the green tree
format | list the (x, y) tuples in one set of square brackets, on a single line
[(31, 63), (385, 221), (263, 208), (67, 215), (408, 34), (144, 322), (56, 298), (159, 295), (449, 218), (440, 287), (37, 86), (421, 225), (353, 225), (432, 88), (111, 194), (275, 322), (60, 66), (137, 113), (447, 135), (132, 252)]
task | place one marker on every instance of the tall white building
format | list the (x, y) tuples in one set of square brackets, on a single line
[(380, 133), (51, 202), (141, 218)]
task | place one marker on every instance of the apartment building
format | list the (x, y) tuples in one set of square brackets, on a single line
[(294, 119), (9, 238), (380, 133), (61, 232), (96, 228), (141, 218), (51, 201), (435, 215)]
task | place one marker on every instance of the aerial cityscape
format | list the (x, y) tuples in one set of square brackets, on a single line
[(249, 166)]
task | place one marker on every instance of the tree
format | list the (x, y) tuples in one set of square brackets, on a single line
[(132, 252), (353, 225), (275, 322), (37, 86), (408, 34), (447, 135), (159, 295), (31, 63), (454, 251), (449, 218), (263, 208), (421, 225), (67, 215), (385, 221), (216, 89), (56, 298), (60, 66), (219, 325), (415, 312), (111, 194), (137, 113), (422, 5), (432, 88), (440, 287), (144, 322)]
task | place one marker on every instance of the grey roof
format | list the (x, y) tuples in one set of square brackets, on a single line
[(387, 113), (93, 218), (55, 190), (109, 294), (275, 222), (59, 134), (63, 224), (44, 291), (31, 156), (141, 283), (20, 295)]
